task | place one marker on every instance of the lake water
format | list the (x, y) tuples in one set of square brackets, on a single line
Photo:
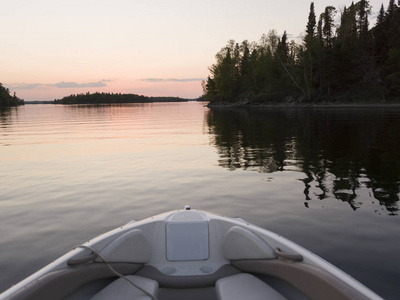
[(326, 178)]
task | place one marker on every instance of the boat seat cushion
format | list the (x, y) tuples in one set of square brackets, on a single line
[(121, 289), (132, 247), (240, 243), (245, 286)]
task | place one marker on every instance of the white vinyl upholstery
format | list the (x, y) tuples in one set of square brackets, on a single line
[(240, 243), (121, 289), (129, 247), (244, 287)]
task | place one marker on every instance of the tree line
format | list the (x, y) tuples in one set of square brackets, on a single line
[(6, 100), (344, 60), (100, 98)]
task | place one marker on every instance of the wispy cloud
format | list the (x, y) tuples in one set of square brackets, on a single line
[(62, 85), (23, 86), (171, 79), (70, 84)]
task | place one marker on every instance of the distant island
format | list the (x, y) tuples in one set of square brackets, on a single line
[(104, 98), (343, 63), (6, 100)]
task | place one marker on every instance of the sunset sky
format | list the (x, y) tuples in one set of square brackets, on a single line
[(53, 48)]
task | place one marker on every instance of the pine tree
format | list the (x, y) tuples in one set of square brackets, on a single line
[(319, 28), (347, 30), (245, 68), (381, 16), (283, 49), (311, 23), (327, 30), (380, 37), (309, 54), (362, 25), (391, 9), (209, 89)]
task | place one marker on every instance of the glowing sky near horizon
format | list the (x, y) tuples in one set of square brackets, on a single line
[(50, 48)]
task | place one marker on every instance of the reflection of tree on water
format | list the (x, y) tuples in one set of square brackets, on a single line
[(339, 150), (5, 115)]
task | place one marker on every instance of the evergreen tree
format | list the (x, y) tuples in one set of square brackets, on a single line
[(209, 89), (390, 10), (363, 9), (253, 66), (380, 37), (246, 69), (224, 72), (309, 54), (347, 30), (345, 51), (328, 28), (392, 67), (283, 48), (381, 16), (319, 29), (311, 23)]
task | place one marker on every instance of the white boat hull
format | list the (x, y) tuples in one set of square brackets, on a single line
[(188, 249)]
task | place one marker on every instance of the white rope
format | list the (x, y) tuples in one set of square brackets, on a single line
[(116, 272)]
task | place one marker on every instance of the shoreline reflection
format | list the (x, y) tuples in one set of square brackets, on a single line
[(340, 151)]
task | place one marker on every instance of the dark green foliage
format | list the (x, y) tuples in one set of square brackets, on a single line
[(6, 100), (327, 30), (311, 23), (253, 72), (209, 89), (386, 47), (100, 98), (334, 61)]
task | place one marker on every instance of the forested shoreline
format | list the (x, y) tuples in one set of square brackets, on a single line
[(100, 98), (6, 100), (346, 62)]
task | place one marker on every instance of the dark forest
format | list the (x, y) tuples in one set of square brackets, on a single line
[(99, 98), (341, 58)]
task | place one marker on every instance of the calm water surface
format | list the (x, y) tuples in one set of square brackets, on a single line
[(326, 178)]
